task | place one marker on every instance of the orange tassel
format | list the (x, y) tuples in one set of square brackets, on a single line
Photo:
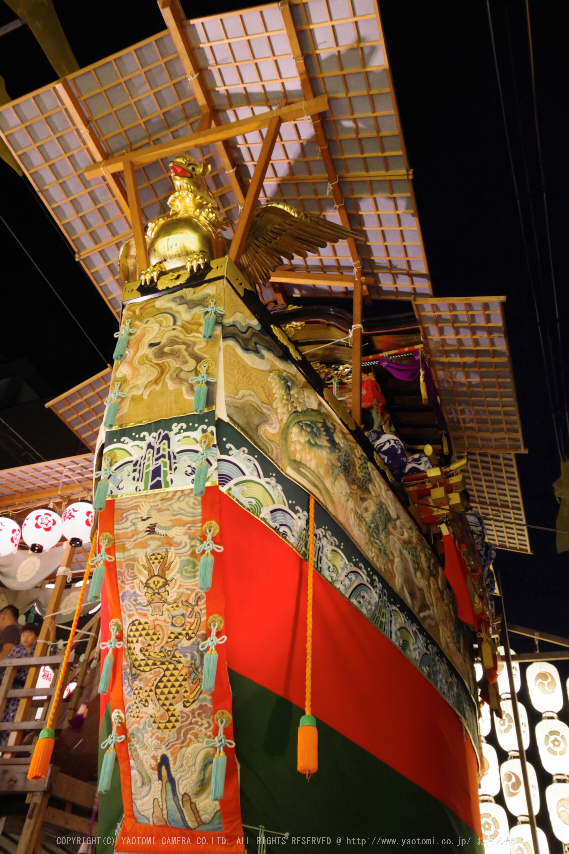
[(307, 755), (39, 766)]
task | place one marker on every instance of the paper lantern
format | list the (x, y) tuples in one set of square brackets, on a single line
[(557, 798), (506, 728), (41, 530), (489, 771), (10, 535), (513, 787), (76, 523), (553, 744), (485, 719), (494, 823), (503, 681), (478, 671), (544, 685), (522, 842)]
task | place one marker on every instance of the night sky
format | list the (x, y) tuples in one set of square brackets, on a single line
[(445, 81)]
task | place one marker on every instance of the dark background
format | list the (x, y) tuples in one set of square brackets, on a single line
[(445, 80)]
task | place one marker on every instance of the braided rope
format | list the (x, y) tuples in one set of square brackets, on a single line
[(308, 701), (58, 690)]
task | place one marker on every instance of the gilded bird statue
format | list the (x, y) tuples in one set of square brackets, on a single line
[(190, 234)]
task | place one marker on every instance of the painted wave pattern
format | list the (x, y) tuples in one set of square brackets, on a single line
[(162, 457), (240, 475)]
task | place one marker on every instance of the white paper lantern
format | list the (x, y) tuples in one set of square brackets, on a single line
[(506, 728), (522, 842), (41, 530), (513, 787), (544, 685), (10, 536), (485, 719), (494, 822), (76, 522), (478, 671), (489, 770), (553, 744), (503, 681), (557, 797)]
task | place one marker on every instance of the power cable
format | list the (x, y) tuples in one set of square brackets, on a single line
[(558, 437), (536, 243), (546, 212), (42, 274)]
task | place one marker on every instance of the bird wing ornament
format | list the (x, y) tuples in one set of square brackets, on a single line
[(190, 234)]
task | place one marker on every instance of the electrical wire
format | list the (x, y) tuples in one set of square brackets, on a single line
[(546, 212), (42, 274), (558, 437)]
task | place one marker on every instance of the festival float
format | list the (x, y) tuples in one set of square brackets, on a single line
[(288, 619)]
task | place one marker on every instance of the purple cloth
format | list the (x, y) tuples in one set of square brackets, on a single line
[(409, 371)]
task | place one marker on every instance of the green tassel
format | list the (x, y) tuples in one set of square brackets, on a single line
[(120, 348), (208, 326), (107, 768), (101, 494), (96, 584), (209, 671), (217, 776), (206, 572), (200, 397), (105, 679), (200, 479), (111, 414)]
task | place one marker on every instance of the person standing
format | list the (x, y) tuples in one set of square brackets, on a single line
[(10, 631), (24, 649)]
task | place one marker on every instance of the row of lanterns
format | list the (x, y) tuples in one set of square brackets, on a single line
[(544, 685), (43, 529)]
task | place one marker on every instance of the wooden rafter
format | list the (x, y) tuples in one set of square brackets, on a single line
[(151, 153), (79, 118), (300, 277), (135, 215), (308, 93), (174, 18), (246, 218)]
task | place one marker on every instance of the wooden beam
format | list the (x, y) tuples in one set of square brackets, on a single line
[(300, 277), (244, 223), (40, 494), (90, 138), (151, 153), (554, 654), (174, 19), (533, 633), (357, 347), (61, 818), (76, 791), (307, 91), (33, 823), (136, 216)]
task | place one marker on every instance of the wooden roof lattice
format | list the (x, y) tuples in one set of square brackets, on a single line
[(470, 359), (37, 483), (494, 486), (348, 163), (82, 407)]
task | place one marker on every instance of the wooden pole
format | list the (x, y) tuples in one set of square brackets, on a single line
[(357, 347), (516, 712), (244, 223), (46, 634), (136, 216)]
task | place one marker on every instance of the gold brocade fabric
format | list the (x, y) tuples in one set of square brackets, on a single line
[(164, 354)]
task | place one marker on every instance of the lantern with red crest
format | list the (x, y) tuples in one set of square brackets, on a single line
[(41, 530), (77, 520), (10, 535)]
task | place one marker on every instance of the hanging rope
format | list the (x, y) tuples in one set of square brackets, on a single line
[(307, 750)]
